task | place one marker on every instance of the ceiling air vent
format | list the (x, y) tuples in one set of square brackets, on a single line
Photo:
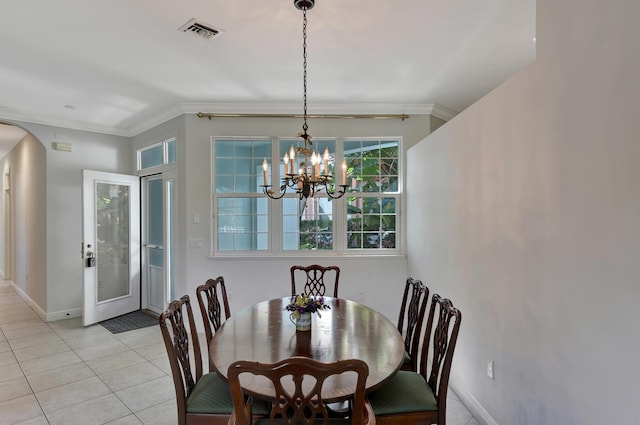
[(200, 29)]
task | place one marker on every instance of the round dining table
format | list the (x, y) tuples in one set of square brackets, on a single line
[(265, 333)]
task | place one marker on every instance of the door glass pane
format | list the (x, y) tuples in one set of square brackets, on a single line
[(112, 230), (156, 213), (170, 240)]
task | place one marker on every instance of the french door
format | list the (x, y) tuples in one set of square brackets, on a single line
[(157, 236), (111, 245)]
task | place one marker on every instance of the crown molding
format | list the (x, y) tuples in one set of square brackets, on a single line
[(8, 115), (239, 108)]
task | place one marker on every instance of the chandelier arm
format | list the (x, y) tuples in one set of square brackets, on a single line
[(339, 193), (271, 194)]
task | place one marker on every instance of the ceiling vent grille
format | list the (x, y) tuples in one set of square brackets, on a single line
[(200, 29)]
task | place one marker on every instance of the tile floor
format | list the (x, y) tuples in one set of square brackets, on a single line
[(60, 373)]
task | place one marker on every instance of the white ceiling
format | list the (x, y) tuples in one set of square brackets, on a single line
[(122, 66)]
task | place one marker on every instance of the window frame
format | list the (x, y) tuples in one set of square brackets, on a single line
[(165, 155), (339, 207)]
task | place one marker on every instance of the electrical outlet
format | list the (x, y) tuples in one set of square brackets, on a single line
[(490, 369)]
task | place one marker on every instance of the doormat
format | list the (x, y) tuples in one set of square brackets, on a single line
[(129, 322)]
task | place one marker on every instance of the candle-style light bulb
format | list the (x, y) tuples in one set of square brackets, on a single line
[(265, 166), (292, 156), (314, 162), (326, 161), (344, 172), (286, 164)]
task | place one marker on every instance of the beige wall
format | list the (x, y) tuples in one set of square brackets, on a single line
[(28, 167), (525, 211), (250, 279)]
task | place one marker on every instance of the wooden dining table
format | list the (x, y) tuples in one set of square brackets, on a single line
[(265, 333)]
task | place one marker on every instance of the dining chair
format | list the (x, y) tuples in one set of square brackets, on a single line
[(201, 398), (316, 278), (421, 397), (212, 298), (412, 309), (303, 403)]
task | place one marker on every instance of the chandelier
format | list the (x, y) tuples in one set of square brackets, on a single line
[(309, 178)]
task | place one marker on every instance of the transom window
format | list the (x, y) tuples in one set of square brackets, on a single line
[(163, 153), (247, 222)]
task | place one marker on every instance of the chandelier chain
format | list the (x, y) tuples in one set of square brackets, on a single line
[(310, 177), (305, 127)]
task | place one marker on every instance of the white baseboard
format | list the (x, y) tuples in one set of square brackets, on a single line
[(46, 317), (473, 406), (65, 314)]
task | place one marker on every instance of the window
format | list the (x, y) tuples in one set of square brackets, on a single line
[(364, 221), (372, 204), (241, 210), (157, 155)]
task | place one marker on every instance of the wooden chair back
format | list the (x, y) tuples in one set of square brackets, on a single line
[(213, 301), (297, 390), (441, 334), (315, 278), (412, 309), (177, 341)]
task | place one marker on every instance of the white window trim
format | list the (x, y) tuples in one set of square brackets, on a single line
[(340, 241)]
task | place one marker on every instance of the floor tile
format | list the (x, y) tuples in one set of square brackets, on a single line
[(43, 364), (105, 364), (141, 337), (17, 315), (14, 388), (153, 351), (43, 350), (70, 394), (19, 409), (4, 346), (148, 394), (29, 329), (98, 411), (33, 341), (90, 339), (9, 372), (127, 420), (101, 350), (40, 420), (132, 375), (59, 376), (69, 332), (7, 358), (163, 364), (162, 414), (457, 414)]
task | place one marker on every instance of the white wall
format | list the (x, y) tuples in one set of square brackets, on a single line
[(27, 163), (528, 219), (252, 280), (63, 265)]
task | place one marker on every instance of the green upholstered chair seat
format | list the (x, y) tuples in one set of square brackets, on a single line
[(405, 392), (332, 421), (212, 395)]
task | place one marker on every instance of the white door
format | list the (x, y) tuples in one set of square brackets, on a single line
[(153, 235), (111, 245)]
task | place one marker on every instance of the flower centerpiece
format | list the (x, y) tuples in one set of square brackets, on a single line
[(302, 306)]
